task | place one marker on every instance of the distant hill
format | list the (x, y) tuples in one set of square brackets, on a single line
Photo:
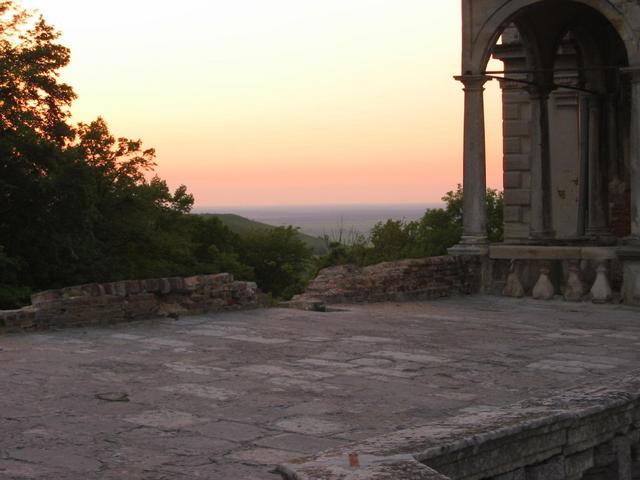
[(242, 225)]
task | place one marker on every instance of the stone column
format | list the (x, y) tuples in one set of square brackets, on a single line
[(583, 178), (474, 237), (614, 167), (630, 255), (598, 204), (541, 220), (635, 154)]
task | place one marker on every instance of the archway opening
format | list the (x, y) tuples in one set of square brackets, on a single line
[(565, 118)]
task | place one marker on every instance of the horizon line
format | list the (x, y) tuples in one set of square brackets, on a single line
[(306, 205)]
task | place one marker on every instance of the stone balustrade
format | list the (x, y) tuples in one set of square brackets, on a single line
[(124, 301), (544, 272)]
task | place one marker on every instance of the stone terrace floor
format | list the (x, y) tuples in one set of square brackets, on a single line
[(227, 396)]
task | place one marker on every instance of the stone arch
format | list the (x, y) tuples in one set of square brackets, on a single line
[(486, 37)]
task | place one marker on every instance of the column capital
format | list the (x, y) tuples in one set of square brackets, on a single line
[(473, 82)]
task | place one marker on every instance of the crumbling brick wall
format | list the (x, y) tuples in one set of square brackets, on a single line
[(412, 279), (110, 303)]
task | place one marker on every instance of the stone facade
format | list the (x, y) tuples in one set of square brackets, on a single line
[(591, 433), (413, 279), (571, 123), (125, 301)]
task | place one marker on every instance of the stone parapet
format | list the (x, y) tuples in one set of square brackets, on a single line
[(587, 432), (413, 279), (129, 300)]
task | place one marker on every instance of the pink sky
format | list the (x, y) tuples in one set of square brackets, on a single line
[(281, 102)]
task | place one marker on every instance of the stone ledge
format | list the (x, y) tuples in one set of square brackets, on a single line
[(393, 467), (532, 252), (533, 436)]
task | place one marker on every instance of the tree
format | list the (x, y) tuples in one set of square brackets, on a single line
[(215, 247), (33, 104), (392, 240), (280, 259), (438, 230), (11, 295), (33, 131), (76, 204), (495, 215)]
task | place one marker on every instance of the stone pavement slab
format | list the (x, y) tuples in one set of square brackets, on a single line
[(231, 395)]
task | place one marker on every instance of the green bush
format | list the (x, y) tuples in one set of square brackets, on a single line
[(11, 295), (438, 230), (281, 261)]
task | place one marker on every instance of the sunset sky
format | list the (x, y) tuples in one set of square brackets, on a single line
[(255, 102)]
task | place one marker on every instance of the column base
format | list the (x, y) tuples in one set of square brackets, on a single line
[(470, 245)]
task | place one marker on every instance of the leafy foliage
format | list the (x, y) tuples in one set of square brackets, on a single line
[(11, 295), (78, 205), (438, 230), (280, 259)]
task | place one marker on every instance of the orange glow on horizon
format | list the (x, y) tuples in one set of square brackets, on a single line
[(282, 102)]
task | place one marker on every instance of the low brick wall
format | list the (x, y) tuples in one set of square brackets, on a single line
[(412, 279), (110, 303)]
